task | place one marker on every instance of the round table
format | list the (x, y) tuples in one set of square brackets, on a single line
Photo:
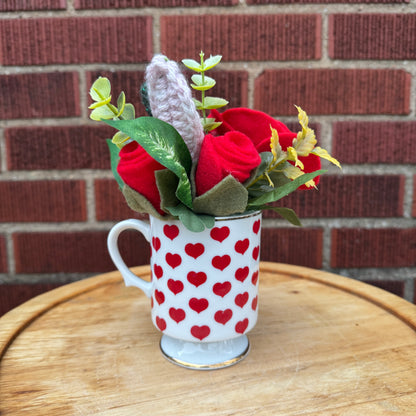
[(324, 345)]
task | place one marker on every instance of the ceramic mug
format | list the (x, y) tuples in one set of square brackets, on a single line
[(203, 288)]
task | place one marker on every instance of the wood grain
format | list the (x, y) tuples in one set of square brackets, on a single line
[(324, 345)]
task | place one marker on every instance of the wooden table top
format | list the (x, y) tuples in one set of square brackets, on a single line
[(324, 345)]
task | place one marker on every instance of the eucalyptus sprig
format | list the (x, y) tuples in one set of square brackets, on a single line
[(202, 83), (102, 108)]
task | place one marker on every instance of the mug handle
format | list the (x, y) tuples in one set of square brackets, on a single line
[(130, 279)]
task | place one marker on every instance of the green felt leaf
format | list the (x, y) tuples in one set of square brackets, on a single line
[(192, 221), (114, 158), (192, 64), (227, 197), (167, 183), (164, 144), (282, 191), (139, 203)]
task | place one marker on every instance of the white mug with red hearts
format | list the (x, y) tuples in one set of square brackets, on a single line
[(204, 286)]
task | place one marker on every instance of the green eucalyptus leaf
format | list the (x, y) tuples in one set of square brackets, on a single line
[(103, 113), (100, 103), (129, 113), (197, 103), (192, 64), (121, 102), (210, 124), (279, 193), (114, 158), (192, 221), (100, 89), (162, 142), (202, 85), (212, 61), (214, 102)]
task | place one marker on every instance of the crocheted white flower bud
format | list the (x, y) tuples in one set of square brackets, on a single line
[(170, 100)]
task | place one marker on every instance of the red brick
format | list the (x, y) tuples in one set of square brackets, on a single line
[(127, 81), (333, 91), (300, 246), (382, 247), (86, 40), (110, 204), (252, 2), (3, 256), (374, 142), (414, 197), (372, 36), (231, 85), (42, 201), (393, 286), (121, 4), (12, 295), (75, 252), (58, 147), (29, 5), (374, 196), (54, 94), (243, 37)]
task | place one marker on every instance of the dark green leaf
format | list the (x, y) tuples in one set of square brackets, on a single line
[(164, 144), (114, 150), (279, 193), (287, 213)]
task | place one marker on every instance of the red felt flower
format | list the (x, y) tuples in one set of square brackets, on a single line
[(231, 154), (256, 125), (137, 169)]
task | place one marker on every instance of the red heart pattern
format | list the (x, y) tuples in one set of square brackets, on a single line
[(178, 315), (200, 332), (220, 233), (194, 250), (174, 260), (242, 273), (171, 231), (223, 317), (198, 305), (204, 302), (221, 262), (197, 278), (241, 299), (175, 286), (221, 289), (241, 246)]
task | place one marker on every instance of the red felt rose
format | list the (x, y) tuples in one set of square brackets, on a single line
[(232, 154), (137, 169), (256, 125)]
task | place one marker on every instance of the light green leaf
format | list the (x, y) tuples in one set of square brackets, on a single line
[(100, 103), (129, 112), (210, 124), (114, 157), (164, 144), (192, 64), (279, 193), (100, 89), (213, 102), (121, 102), (197, 103), (103, 113), (202, 85), (212, 61), (119, 139), (319, 151), (192, 221)]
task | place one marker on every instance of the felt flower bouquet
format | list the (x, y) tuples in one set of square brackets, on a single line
[(194, 166)]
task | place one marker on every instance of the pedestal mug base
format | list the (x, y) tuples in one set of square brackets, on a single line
[(204, 355)]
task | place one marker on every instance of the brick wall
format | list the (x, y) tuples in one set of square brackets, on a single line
[(349, 63)]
